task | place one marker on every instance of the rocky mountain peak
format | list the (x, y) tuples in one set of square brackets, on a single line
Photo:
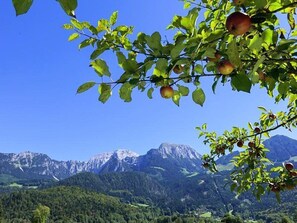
[(178, 151), (122, 154)]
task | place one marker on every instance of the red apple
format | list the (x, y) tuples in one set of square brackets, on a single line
[(238, 23), (289, 166), (178, 69), (225, 67), (240, 143), (251, 144), (257, 130), (166, 92)]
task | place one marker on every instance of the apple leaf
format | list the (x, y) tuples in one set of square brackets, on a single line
[(198, 96), (113, 18), (184, 91), (68, 6), (154, 41), (100, 67), (150, 93), (84, 87), (73, 36), (241, 82), (21, 6), (176, 98), (233, 53), (125, 92), (105, 92)]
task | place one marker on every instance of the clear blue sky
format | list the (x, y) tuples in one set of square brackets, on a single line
[(40, 72)]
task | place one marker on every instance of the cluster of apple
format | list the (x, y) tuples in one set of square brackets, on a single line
[(237, 24), (167, 91), (287, 183)]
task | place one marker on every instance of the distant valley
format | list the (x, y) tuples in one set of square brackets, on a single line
[(170, 178)]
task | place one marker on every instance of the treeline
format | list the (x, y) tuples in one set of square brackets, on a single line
[(72, 204)]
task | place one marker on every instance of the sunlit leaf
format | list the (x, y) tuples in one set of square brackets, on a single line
[(198, 96), (105, 92), (84, 87), (113, 18), (73, 36), (100, 67)]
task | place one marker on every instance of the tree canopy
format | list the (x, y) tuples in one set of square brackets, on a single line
[(238, 44)]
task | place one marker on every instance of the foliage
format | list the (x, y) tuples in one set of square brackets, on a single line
[(41, 214), (264, 56)]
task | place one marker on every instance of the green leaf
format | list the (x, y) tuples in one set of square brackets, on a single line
[(73, 36), (113, 18), (77, 24), (68, 6), (176, 98), (198, 96), (125, 92), (68, 26), (121, 58), (291, 20), (184, 91), (100, 67), (96, 53), (198, 69), (154, 41), (233, 53), (84, 87), (150, 93), (255, 43), (105, 92), (176, 50), (267, 36), (161, 67), (86, 43), (21, 6), (241, 82), (260, 3)]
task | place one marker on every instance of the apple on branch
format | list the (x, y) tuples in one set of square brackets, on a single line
[(238, 23), (178, 69), (166, 92), (225, 67)]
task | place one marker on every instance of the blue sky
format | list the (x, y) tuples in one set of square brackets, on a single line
[(40, 72)]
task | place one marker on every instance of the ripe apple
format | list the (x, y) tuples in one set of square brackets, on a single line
[(238, 2), (216, 58), (289, 166), (257, 130), (225, 67), (240, 143), (166, 91), (178, 69), (251, 144), (238, 23)]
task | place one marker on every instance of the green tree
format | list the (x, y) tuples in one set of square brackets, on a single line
[(238, 44), (41, 214)]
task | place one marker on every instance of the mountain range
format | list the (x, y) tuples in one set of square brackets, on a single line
[(174, 158)]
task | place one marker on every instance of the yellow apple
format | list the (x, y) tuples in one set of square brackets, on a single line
[(166, 92)]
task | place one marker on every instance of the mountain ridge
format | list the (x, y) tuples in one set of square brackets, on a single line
[(166, 161)]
